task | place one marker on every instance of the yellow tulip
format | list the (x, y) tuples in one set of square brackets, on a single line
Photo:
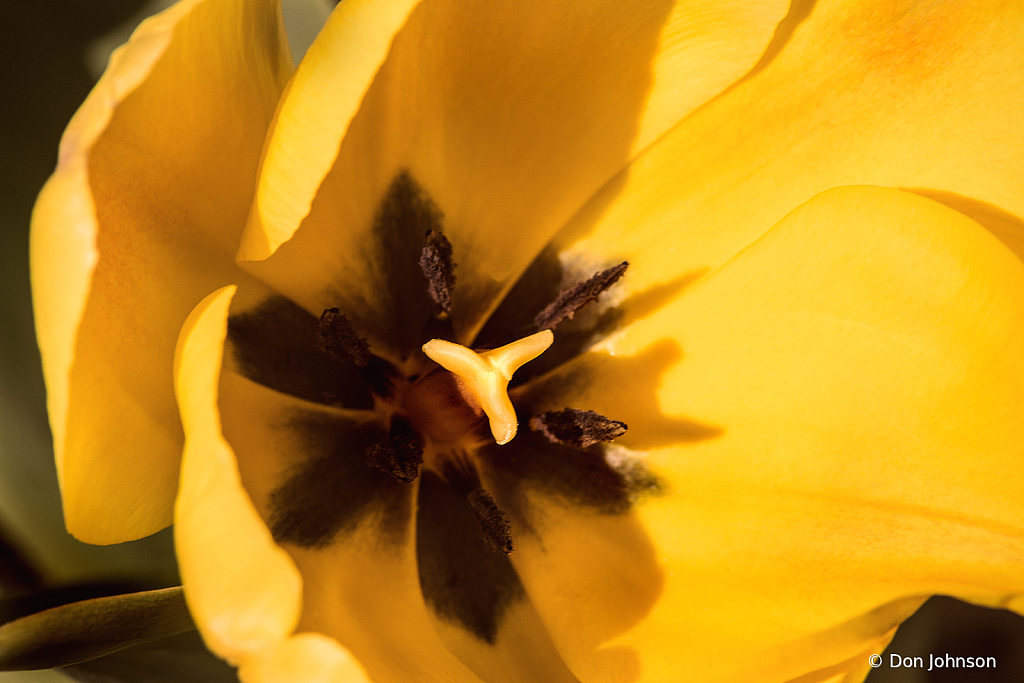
[(817, 346)]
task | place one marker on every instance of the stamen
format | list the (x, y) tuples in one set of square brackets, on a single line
[(485, 376), (576, 297), (439, 269), (401, 455), (338, 338), (492, 521), (578, 429)]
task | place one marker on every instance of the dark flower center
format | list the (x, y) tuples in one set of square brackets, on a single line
[(399, 438), (435, 413)]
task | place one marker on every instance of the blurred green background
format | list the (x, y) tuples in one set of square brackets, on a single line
[(51, 53)]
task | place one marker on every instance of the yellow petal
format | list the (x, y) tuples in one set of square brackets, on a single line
[(242, 589), (139, 222), (304, 658), (508, 116), (862, 94), (858, 373), (324, 96)]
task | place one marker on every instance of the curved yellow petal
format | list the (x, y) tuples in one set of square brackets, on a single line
[(139, 221), (506, 116), (242, 589), (858, 377), (304, 658), (862, 94), (323, 98)]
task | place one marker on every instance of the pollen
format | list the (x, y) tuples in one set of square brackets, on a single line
[(483, 376)]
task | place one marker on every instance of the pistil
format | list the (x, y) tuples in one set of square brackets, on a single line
[(484, 376)]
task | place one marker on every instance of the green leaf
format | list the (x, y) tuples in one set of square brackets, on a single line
[(179, 658), (81, 631)]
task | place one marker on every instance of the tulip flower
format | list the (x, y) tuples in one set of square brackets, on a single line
[(566, 341)]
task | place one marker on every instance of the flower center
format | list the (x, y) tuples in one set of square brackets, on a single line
[(410, 422), (435, 416)]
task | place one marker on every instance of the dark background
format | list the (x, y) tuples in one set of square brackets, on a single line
[(43, 78)]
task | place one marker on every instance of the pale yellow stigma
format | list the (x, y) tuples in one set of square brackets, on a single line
[(485, 375)]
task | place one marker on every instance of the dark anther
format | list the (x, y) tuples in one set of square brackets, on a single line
[(339, 339), (439, 269), (576, 297), (492, 521), (401, 455), (576, 428)]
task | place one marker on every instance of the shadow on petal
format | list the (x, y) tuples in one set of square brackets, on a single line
[(1008, 228), (622, 388), (878, 625), (799, 11), (575, 336)]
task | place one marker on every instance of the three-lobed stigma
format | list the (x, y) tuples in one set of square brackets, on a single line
[(484, 376)]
